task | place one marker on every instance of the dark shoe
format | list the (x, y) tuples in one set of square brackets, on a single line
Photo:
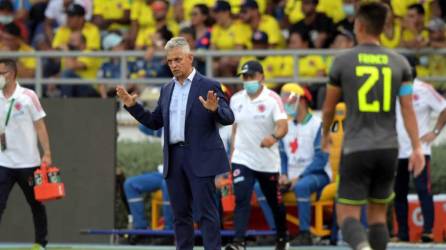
[(281, 244), (236, 245), (427, 238), (303, 239), (267, 240), (139, 240)]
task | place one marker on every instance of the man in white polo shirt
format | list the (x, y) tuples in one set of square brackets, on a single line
[(260, 122), (21, 123), (425, 101)]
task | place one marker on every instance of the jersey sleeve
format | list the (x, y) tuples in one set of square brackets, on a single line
[(335, 73), (278, 110), (34, 106), (435, 101)]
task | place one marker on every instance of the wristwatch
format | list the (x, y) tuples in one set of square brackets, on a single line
[(436, 131)]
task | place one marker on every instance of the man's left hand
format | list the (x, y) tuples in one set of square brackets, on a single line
[(268, 141), (428, 138), (46, 159), (211, 103)]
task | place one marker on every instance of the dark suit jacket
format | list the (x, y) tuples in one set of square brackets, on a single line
[(205, 152)]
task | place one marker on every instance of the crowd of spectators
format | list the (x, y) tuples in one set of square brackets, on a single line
[(119, 25)]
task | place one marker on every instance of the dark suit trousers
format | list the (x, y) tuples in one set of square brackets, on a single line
[(184, 188)]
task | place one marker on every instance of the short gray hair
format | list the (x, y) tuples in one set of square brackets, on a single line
[(177, 42)]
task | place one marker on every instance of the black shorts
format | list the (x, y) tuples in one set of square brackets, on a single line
[(367, 176)]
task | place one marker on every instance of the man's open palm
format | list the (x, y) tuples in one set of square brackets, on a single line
[(211, 103)]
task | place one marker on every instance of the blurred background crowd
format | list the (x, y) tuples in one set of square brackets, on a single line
[(121, 25)]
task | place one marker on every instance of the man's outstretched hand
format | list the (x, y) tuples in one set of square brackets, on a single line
[(125, 97), (211, 103)]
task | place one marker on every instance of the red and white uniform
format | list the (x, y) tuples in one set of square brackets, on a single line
[(256, 119), (425, 101), (21, 137)]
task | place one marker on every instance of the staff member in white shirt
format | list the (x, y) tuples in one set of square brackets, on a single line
[(425, 101), (21, 123), (260, 122)]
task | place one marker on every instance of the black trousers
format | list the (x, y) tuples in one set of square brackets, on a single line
[(25, 178), (244, 179), (424, 191)]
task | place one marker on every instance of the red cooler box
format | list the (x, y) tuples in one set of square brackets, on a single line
[(416, 218)]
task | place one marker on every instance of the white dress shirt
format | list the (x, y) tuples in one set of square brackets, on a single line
[(177, 109)]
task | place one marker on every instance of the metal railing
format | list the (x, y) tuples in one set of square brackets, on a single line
[(207, 55)]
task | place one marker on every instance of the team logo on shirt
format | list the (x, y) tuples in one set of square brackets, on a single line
[(18, 106), (236, 172), (261, 108), (416, 97)]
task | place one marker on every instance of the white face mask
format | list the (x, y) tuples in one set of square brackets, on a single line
[(2, 82)]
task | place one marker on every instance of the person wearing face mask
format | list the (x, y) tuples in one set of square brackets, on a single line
[(21, 125), (304, 164), (7, 16), (271, 64), (348, 7), (260, 122)]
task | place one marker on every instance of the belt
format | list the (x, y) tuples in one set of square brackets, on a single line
[(178, 144)]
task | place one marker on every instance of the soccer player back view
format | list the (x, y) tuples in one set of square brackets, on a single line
[(370, 79)]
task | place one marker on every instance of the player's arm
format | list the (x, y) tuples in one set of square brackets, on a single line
[(232, 147), (417, 159), (332, 97), (44, 140), (438, 104)]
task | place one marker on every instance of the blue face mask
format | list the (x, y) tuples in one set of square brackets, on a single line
[(251, 87), (290, 109), (349, 9)]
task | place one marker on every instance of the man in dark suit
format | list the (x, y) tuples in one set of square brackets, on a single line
[(193, 151)]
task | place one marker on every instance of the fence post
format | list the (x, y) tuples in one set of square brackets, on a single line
[(39, 75), (209, 72), (295, 67), (123, 63)]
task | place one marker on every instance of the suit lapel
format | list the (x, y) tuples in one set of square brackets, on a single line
[(193, 92)]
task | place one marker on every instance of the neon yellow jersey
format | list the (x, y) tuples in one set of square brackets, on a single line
[(111, 9), (271, 67), (230, 37), (27, 62), (309, 66), (144, 38), (392, 42), (332, 8), (90, 31)]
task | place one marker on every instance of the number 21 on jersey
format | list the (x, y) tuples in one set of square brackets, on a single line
[(374, 76)]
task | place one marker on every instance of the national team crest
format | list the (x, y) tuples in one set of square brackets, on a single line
[(416, 97), (236, 172), (18, 106), (261, 108)]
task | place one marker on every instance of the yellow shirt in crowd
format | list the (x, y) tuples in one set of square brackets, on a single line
[(400, 7), (309, 66), (90, 31), (144, 38), (92, 66), (228, 38), (392, 42), (27, 62), (271, 27), (331, 8), (271, 67), (112, 9)]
